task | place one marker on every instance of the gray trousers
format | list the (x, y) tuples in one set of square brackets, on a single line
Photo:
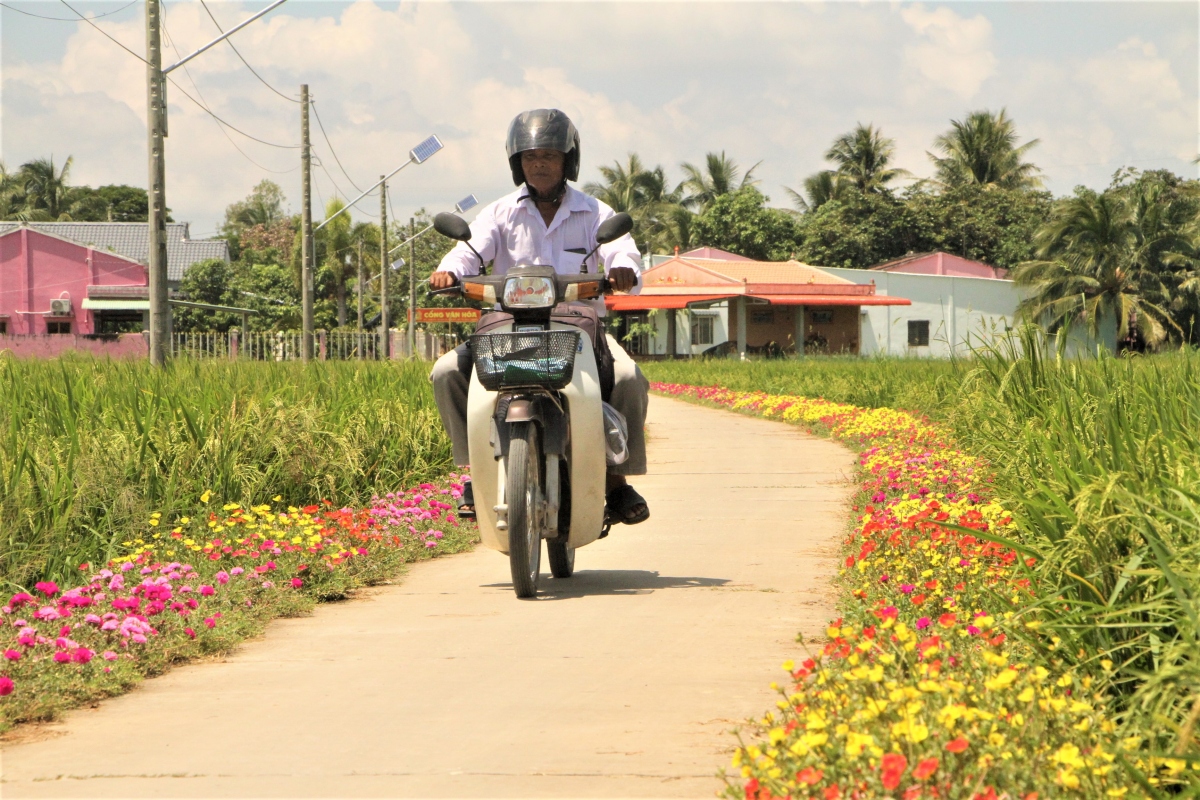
[(451, 378)]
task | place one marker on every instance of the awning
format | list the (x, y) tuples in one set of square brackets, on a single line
[(116, 305), (833, 300), (641, 302)]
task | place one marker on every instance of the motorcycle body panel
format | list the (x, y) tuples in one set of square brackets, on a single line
[(585, 451)]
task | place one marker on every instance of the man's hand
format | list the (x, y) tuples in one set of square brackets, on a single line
[(444, 280), (622, 278)]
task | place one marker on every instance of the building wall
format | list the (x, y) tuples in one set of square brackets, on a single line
[(837, 326), (35, 269), (125, 345)]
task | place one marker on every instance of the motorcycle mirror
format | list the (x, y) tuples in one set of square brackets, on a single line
[(614, 228), (452, 226)]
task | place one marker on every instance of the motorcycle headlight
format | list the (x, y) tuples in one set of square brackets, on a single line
[(529, 292)]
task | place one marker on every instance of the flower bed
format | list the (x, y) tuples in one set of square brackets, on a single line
[(927, 686), (202, 586)]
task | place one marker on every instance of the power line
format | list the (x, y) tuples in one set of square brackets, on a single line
[(67, 19), (321, 125), (244, 61), (88, 20)]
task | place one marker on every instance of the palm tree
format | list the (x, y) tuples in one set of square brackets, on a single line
[(1100, 258), (819, 189), (862, 157), (45, 188), (364, 243), (336, 238), (982, 150), (657, 211), (719, 176)]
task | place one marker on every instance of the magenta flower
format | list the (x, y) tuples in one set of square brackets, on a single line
[(62, 656), (297, 583), (907, 588), (6, 686), (191, 633), (19, 599), (48, 588), (12, 655), (83, 655), (222, 578), (923, 623)]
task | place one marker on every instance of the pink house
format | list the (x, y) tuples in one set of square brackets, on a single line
[(940, 263), (46, 282)]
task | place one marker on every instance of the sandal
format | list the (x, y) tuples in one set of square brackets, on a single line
[(466, 503), (625, 505)]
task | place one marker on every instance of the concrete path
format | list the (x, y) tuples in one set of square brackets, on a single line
[(623, 681)]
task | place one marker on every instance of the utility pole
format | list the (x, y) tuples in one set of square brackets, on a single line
[(386, 333), (361, 286), (412, 286), (160, 310), (306, 236)]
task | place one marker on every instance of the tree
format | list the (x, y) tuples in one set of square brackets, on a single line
[(1097, 260), (819, 189), (44, 188), (863, 156), (660, 220), (207, 282), (112, 203), (982, 150), (263, 206), (718, 177), (740, 222)]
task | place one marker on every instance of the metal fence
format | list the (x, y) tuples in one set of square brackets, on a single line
[(287, 345)]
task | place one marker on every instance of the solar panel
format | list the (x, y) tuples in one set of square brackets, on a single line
[(467, 203), (398, 263), (425, 149)]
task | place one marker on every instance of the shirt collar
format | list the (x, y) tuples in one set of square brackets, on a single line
[(573, 199)]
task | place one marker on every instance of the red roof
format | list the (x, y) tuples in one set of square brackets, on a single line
[(626, 302), (832, 300)]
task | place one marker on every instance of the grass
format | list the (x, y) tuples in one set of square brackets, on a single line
[(1099, 461), (89, 448)]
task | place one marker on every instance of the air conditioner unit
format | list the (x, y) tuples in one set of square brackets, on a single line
[(60, 307)]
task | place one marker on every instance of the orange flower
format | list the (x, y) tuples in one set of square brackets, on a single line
[(947, 620), (832, 793), (957, 745), (893, 768), (925, 769), (809, 776)]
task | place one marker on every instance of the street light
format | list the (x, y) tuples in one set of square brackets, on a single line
[(418, 155)]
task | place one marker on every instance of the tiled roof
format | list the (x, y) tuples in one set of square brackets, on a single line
[(132, 240), (771, 272), (713, 253)]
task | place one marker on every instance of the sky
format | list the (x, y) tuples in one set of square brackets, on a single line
[(1100, 85)]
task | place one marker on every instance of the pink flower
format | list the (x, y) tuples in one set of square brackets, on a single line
[(297, 583), (109, 655), (191, 633), (222, 578), (208, 591), (268, 585), (19, 599), (47, 613), (83, 655), (923, 623), (12, 655), (236, 571), (48, 588), (62, 656), (6, 686), (92, 619)]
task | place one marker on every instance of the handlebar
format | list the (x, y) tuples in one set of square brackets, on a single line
[(606, 288)]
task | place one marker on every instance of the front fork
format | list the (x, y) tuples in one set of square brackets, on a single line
[(550, 492)]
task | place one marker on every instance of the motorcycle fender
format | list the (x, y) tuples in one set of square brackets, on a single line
[(586, 444), (483, 443)]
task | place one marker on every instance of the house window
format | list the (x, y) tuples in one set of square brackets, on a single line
[(58, 327), (3, 327), (635, 333), (762, 317), (702, 329), (822, 318), (918, 333)]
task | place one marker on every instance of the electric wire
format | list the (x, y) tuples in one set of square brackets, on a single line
[(321, 125), (192, 80), (67, 19), (243, 59), (175, 83), (337, 188)]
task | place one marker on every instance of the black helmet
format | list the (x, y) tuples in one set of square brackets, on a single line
[(543, 129)]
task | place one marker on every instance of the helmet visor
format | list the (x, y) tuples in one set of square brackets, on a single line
[(541, 129)]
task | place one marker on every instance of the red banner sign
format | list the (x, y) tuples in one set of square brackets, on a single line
[(447, 315)]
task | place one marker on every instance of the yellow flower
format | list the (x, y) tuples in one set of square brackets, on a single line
[(1068, 779), (1001, 681), (204, 498), (1026, 694)]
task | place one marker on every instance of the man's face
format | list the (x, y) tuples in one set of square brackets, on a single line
[(543, 169)]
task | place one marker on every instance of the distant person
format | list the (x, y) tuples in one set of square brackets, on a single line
[(545, 221)]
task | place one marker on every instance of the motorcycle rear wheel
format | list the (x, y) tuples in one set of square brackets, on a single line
[(562, 559), (523, 494)]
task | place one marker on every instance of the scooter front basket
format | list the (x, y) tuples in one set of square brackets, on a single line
[(531, 358)]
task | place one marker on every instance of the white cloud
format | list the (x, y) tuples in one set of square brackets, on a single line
[(952, 52)]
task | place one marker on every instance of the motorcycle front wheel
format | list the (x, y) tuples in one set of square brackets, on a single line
[(523, 493)]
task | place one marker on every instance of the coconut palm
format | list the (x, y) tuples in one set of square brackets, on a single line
[(982, 150), (338, 258), (44, 187), (718, 176), (863, 156), (658, 214), (1100, 258), (819, 189)]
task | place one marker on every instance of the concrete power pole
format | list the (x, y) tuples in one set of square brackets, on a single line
[(160, 310), (385, 344), (412, 286), (306, 236), (361, 286)]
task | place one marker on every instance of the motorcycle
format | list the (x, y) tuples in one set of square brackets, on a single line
[(534, 411)]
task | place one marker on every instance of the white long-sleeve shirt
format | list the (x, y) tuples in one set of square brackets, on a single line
[(511, 231)]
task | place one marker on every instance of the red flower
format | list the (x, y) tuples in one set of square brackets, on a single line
[(893, 768), (947, 620), (925, 769), (990, 794), (832, 793), (957, 745), (809, 776), (917, 599)]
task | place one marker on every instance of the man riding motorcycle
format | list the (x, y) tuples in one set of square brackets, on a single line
[(548, 222)]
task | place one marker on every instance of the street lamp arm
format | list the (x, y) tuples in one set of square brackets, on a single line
[(370, 189), (225, 35)]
